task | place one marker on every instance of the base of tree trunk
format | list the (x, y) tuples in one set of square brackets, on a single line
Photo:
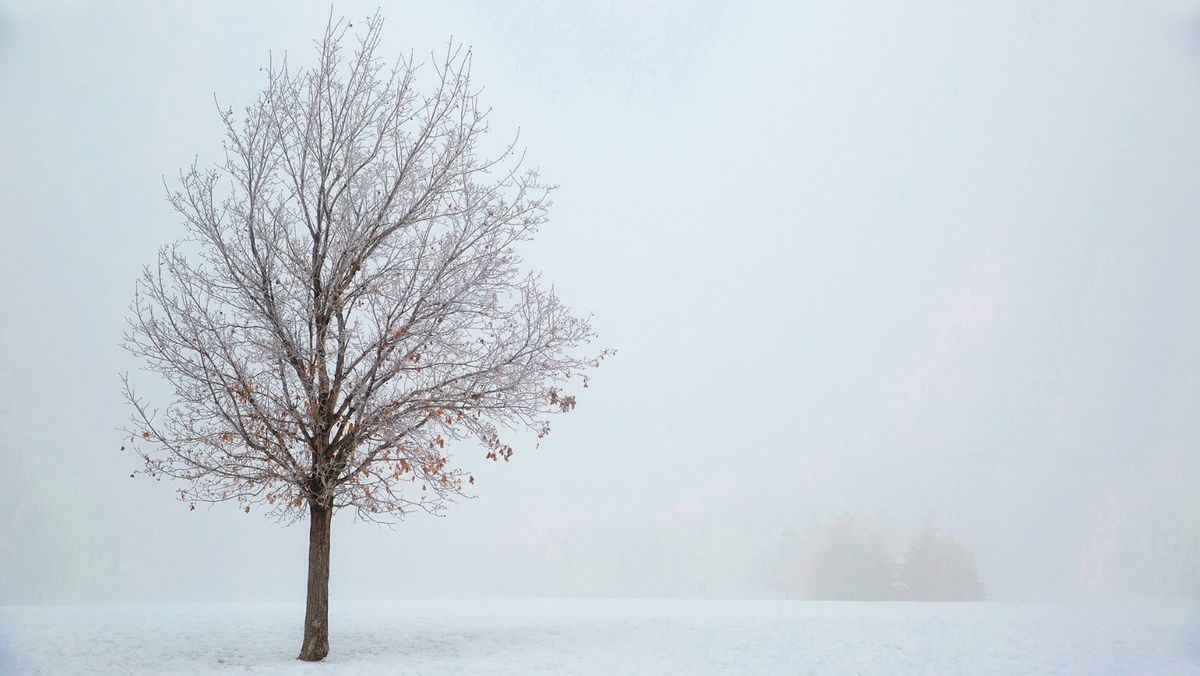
[(314, 650)]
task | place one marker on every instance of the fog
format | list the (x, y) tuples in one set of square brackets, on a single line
[(874, 259)]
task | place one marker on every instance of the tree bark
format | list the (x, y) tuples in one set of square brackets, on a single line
[(316, 613)]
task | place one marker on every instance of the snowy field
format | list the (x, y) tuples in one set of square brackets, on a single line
[(574, 636)]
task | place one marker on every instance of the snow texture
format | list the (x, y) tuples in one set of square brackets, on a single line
[(577, 636)]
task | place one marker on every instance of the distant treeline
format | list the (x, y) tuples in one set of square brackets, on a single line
[(846, 562)]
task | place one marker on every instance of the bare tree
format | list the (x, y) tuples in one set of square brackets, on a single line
[(347, 302)]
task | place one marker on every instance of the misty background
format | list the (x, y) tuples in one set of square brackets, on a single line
[(875, 258)]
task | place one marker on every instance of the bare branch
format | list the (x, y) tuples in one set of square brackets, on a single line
[(348, 301)]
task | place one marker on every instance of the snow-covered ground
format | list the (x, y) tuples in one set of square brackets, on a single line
[(577, 636)]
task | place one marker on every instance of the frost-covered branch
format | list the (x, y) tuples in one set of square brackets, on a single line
[(349, 300)]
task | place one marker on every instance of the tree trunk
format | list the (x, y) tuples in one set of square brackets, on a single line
[(316, 613)]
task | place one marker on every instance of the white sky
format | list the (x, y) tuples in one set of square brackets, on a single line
[(887, 257)]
